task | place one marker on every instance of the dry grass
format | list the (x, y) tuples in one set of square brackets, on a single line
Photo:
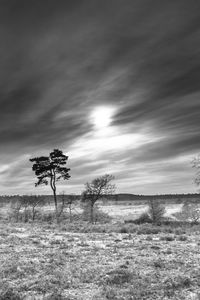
[(49, 262)]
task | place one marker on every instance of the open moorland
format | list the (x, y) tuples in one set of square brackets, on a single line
[(115, 260)]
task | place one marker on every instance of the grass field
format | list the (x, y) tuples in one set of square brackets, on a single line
[(49, 262), (113, 261), (117, 212)]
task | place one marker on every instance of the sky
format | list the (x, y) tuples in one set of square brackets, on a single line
[(113, 84)]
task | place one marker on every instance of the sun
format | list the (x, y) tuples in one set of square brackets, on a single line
[(101, 117)]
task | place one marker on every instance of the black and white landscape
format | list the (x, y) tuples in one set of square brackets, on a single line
[(99, 149), (114, 84)]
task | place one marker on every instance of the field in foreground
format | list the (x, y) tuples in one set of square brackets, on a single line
[(49, 262)]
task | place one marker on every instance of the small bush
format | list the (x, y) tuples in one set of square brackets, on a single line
[(110, 293), (48, 217), (118, 277), (9, 294), (167, 238), (156, 211), (190, 212), (143, 218), (57, 296), (102, 217), (159, 264), (182, 238), (148, 230), (179, 231), (178, 282), (131, 228), (98, 215), (124, 230)]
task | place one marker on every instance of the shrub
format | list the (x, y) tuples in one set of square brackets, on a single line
[(182, 238), (9, 294), (58, 296), (98, 215), (110, 293), (148, 230), (24, 208), (156, 211), (178, 282), (179, 231), (159, 264), (124, 230), (190, 212), (167, 238), (143, 218), (48, 217), (118, 277)]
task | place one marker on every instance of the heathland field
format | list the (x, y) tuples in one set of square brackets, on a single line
[(128, 211), (113, 260)]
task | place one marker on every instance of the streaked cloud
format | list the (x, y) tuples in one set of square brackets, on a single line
[(61, 61)]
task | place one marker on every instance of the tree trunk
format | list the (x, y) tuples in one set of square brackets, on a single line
[(70, 213), (53, 186), (56, 204), (91, 213), (33, 213)]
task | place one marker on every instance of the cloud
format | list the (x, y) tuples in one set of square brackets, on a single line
[(58, 61)]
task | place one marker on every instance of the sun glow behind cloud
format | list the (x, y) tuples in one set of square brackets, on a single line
[(101, 117), (104, 150), (105, 139)]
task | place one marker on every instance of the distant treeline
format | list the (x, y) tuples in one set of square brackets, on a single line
[(161, 196), (45, 198), (116, 197)]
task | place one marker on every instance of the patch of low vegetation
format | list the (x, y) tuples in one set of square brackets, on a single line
[(118, 276), (154, 214), (98, 215), (189, 213), (61, 261), (156, 211), (143, 218), (66, 256), (8, 293)]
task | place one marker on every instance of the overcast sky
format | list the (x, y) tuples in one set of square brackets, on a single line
[(114, 84)]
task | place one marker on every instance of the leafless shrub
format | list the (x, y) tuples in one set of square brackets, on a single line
[(66, 204), (143, 218), (25, 208), (190, 212), (98, 215), (156, 211)]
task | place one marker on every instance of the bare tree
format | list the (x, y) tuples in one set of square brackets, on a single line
[(98, 188), (34, 201), (25, 207), (16, 207), (70, 202), (196, 165), (67, 202)]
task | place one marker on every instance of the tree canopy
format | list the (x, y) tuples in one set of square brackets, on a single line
[(50, 169), (96, 189)]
